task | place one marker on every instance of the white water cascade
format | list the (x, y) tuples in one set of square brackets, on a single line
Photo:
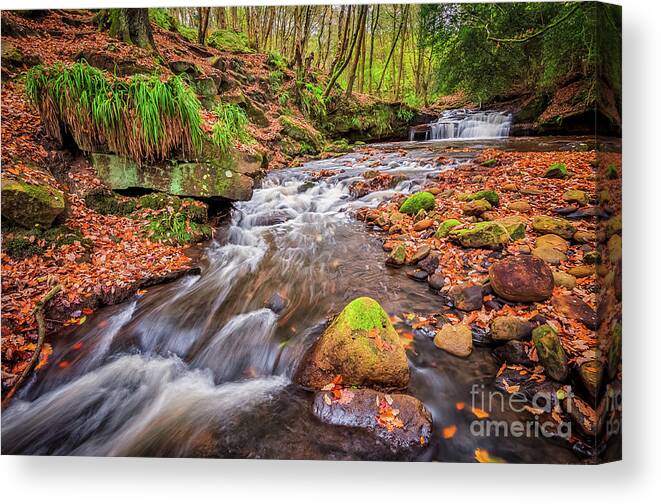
[(467, 124)]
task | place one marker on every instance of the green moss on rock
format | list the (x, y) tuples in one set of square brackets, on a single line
[(419, 201), (445, 227), (557, 171), (487, 234), (28, 204), (490, 196), (550, 352)]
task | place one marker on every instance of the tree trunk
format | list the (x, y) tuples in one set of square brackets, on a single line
[(203, 24), (375, 24), (360, 27), (132, 26)]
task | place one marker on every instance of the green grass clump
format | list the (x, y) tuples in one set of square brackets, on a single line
[(229, 40), (419, 201), (145, 119), (283, 99), (231, 126)]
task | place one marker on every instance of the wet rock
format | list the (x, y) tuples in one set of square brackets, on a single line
[(509, 187), (587, 213), (614, 226), (477, 207), (445, 227), (614, 249), (417, 274), (397, 257), (513, 352), (552, 241), (407, 430), (592, 257), (549, 255), (591, 374), (520, 206), (306, 186), (423, 224), (419, 201), (556, 171), (271, 218), (466, 297), (482, 235), (277, 303), (552, 225), (576, 196), (550, 352), (421, 252), (505, 328), (565, 210), (29, 204), (582, 271), (522, 279), (436, 281), (430, 263), (562, 279), (490, 196), (575, 308), (515, 225), (456, 340), (531, 191), (361, 345)]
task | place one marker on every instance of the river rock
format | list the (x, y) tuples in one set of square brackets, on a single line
[(509, 187), (575, 308), (582, 271), (488, 195), (445, 227), (549, 255), (417, 274), (556, 171), (614, 248), (466, 297), (277, 303), (550, 352), (397, 257), (477, 207), (592, 257), (221, 179), (515, 225), (436, 281), (585, 236), (562, 279), (591, 374), (419, 201), (362, 346), (455, 339), (402, 421), (421, 252), (29, 204), (522, 279), (582, 415), (552, 241), (513, 352), (423, 224), (553, 225), (520, 206), (576, 196), (505, 328), (430, 263), (482, 235)]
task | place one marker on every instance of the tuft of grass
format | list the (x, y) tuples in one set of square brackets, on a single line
[(231, 126), (144, 118)]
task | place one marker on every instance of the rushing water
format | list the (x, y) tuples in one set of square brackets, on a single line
[(468, 124), (203, 367)]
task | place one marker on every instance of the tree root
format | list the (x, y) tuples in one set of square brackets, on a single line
[(38, 313)]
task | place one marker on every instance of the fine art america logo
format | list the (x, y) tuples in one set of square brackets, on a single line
[(548, 420)]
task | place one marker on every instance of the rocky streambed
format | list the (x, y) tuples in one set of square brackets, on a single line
[(232, 362)]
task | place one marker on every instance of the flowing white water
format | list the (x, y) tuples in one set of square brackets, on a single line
[(468, 124)]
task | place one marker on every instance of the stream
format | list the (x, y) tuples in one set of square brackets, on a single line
[(203, 367)]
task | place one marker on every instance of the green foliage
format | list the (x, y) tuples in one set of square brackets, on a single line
[(275, 60), (171, 226), (229, 40), (231, 126), (311, 99), (21, 244), (145, 118), (485, 49), (110, 204), (276, 78), (284, 98), (161, 17), (189, 34), (405, 114)]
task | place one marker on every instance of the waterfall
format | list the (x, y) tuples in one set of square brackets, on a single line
[(465, 124)]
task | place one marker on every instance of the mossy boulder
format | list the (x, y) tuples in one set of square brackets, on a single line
[(301, 132), (490, 196), (192, 179), (576, 196), (397, 257), (544, 224), (482, 235), (476, 207), (445, 227), (362, 346), (550, 352), (29, 204), (556, 171), (515, 225), (110, 204), (562, 279), (419, 201)]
